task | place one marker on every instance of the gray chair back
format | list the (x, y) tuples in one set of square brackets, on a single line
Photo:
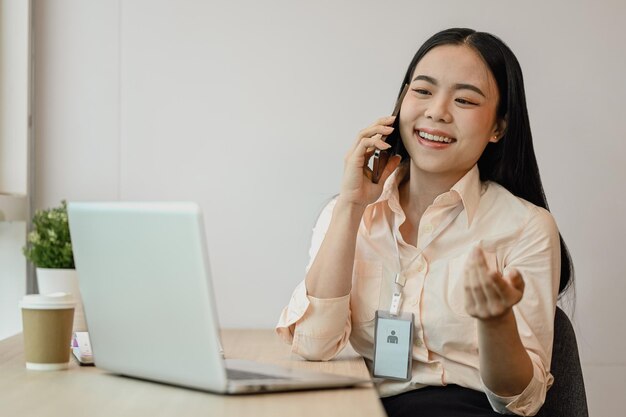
[(567, 396)]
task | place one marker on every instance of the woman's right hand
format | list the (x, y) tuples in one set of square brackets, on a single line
[(357, 186)]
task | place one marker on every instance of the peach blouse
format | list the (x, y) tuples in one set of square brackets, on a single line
[(513, 234)]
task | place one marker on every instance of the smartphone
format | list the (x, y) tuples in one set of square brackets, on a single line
[(380, 158)]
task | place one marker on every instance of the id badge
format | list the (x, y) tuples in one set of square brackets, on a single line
[(393, 341)]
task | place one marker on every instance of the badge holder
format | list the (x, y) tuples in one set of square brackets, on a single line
[(393, 341)]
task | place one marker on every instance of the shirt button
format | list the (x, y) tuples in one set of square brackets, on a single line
[(428, 229), (418, 342)]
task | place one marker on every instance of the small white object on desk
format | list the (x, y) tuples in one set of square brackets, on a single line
[(81, 348)]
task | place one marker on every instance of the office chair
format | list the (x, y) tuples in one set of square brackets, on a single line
[(567, 395)]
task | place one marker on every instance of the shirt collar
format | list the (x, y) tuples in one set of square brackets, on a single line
[(390, 188), (389, 194), (468, 189)]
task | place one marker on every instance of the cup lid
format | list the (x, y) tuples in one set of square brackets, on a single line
[(52, 301)]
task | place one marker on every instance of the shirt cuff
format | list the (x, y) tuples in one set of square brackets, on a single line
[(313, 317), (325, 317), (292, 313), (529, 401)]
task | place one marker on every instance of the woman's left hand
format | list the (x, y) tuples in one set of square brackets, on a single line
[(489, 294)]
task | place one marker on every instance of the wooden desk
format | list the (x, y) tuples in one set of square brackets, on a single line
[(88, 391)]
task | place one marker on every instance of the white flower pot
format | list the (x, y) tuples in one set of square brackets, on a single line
[(63, 280)]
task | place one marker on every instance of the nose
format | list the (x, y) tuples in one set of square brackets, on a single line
[(437, 110)]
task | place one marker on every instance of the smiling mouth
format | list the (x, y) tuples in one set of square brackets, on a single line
[(435, 138)]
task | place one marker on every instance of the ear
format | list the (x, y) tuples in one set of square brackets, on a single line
[(498, 131)]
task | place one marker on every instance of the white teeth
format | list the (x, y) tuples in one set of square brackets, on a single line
[(435, 138)]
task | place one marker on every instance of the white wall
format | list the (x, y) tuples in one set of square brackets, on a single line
[(14, 20), (248, 108), (14, 76)]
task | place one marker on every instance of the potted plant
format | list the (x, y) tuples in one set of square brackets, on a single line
[(49, 248)]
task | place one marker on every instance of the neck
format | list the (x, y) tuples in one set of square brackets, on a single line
[(422, 188)]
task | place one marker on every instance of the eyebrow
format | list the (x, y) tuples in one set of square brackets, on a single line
[(458, 86)]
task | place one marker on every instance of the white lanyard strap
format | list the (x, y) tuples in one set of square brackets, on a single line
[(400, 280)]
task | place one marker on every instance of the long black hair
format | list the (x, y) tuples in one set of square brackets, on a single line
[(511, 161)]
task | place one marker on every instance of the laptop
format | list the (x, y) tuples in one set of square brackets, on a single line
[(145, 281)]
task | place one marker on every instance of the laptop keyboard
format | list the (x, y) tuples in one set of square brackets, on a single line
[(235, 374)]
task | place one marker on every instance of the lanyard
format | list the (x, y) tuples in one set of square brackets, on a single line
[(400, 279)]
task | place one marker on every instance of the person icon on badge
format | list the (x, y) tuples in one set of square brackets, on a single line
[(392, 338)]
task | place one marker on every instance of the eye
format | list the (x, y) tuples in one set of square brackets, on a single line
[(465, 102), (421, 91)]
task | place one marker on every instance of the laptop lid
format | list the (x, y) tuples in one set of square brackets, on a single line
[(145, 281)]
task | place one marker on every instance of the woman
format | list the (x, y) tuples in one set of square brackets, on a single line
[(457, 228)]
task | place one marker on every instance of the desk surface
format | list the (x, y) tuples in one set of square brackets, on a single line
[(91, 392)]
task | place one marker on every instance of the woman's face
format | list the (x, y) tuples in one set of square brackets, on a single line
[(448, 116)]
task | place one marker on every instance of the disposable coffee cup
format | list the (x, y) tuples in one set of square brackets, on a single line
[(47, 322)]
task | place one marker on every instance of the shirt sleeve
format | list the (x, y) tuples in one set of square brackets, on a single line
[(317, 329), (537, 256)]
